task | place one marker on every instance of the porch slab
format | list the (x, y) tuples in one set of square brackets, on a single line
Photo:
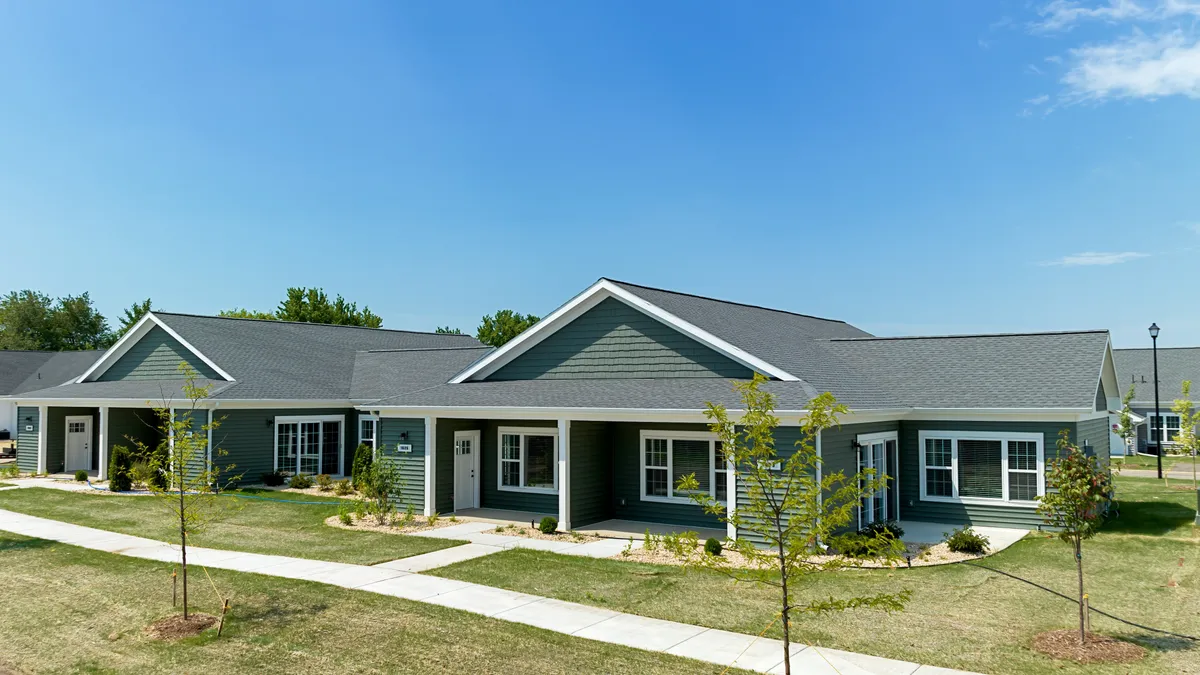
[(556, 615), (502, 516), (624, 529), (735, 649), (999, 538), (641, 632), (440, 558)]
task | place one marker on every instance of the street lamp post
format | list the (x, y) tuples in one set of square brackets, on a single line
[(1158, 425)]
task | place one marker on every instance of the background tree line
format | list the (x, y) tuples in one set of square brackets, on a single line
[(34, 321)]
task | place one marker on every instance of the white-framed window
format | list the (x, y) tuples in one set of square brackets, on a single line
[(309, 444), (368, 429), (1171, 424), (667, 456), (982, 467), (528, 460)]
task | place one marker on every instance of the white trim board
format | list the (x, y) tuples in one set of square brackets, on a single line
[(131, 337), (589, 298)]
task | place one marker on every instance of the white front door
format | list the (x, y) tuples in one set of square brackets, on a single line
[(79, 444), (466, 470)]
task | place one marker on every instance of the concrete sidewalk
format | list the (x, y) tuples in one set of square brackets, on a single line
[(695, 642)]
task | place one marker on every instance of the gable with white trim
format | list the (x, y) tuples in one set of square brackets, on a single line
[(615, 341), (156, 356)]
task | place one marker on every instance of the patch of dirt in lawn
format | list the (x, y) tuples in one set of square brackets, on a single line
[(1064, 644), (314, 491), (175, 627), (369, 524), (534, 533), (922, 556)]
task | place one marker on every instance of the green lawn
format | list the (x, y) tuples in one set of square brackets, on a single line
[(1143, 567), (66, 609), (4, 485), (252, 525), (1143, 462)]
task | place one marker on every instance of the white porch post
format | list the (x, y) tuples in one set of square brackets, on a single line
[(102, 470), (564, 475), (430, 465), (730, 499), (43, 419)]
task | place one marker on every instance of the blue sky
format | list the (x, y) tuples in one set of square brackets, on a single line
[(913, 168)]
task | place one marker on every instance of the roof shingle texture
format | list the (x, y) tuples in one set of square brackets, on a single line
[(22, 371), (1175, 364)]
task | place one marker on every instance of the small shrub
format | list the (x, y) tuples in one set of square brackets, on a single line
[(324, 482), (81, 475), (272, 479), (433, 519), (119, 465), (364, 455), (712, 546), (855, 545), (360, 509), (344, 515), (342, 487), (887, 528), (967, 540), (10, 471), (300, 482), (142, 474), (548, 525), (377, 483), (651, 542)]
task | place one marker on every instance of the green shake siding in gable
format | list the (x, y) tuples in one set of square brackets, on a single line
[(613, 340), (156, 357), (28, 423)]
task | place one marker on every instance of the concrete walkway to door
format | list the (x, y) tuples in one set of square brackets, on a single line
[(678, 639)]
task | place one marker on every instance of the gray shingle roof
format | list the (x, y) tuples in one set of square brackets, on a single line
[(135, 391), (22, 371), (1175, 364), (378, 374)]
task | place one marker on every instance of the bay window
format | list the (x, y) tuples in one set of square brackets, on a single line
[(981, 467), (528, 460), (667, 456)]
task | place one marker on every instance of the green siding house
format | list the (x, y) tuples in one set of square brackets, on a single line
[(593, 414)]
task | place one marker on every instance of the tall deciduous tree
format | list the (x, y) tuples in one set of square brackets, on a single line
[(497, 329), (132, 315), (239, 313), (32, 320), (312, 305), (447, 330), (786, 507), (1078, 489)]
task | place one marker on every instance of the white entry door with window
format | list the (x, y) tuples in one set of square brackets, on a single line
[(874, 453), (79, 444), (466, 470)]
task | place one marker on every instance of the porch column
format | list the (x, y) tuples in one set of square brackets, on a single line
[(102, 470), (430, 465), (564, 475), (730, 499), (43, 420)]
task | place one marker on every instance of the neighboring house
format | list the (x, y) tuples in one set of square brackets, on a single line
[(595, 412), (22, 371), (1135, 367)]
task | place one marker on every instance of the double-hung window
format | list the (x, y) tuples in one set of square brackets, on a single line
[(1170, 425), (982, 467), (528, 460), (309, 445), (368, 427), (667, 456)]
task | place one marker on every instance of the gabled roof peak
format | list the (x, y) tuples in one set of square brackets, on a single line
[(725, 302)]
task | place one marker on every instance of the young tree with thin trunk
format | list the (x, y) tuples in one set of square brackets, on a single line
[(193, 479), (786, 507), (1077, 490), (1126, 429), (1189, 417)]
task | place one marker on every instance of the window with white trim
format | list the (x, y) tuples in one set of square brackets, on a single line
[(528, 460), (982, 467), (667, 456), (309, 445), (1171, 425), (368, 426)]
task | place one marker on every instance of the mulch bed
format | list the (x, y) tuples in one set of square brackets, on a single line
[(175, 627), (1064, 644)]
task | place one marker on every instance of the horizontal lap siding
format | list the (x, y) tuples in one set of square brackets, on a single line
[(410, 464), (627, 485), (156, 357), (27, 440), (614, 340), (591, 473), (126, 426), (249, 441), (1000, 515), (1095, 434), (490, 495)]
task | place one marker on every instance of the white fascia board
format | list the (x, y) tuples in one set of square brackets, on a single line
[(588, 299), (1108, 377), (139, 330)]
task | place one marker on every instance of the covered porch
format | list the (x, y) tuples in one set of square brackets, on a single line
[(62, 440)]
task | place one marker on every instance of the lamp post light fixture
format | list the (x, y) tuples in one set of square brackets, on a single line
[(1158, 425)]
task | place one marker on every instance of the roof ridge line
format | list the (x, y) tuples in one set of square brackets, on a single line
[(727, 302), (970, 335), (305, 323), (424, 349)]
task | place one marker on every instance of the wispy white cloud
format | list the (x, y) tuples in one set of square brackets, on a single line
[(1038, 100), (1139, 66), (1054, 58), (1060, 15), (1094, 258), (1033, 70)]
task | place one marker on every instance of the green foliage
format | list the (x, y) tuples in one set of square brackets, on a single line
[(10, 471), (120, 461), (344, 515), (240, 313), (549, 525), (32, 320), (324, 482), (786, 506), (447, 330), (81, 475), (132, 315), (497, 329), (1187, 441), (967, 540), (141, 474), (312, 305), (342, 487), (378, 482), (272, 479), (300, 482), (360, 508), (889, 528), (1126, 429), (433, 518), (363, 456), (712, 546)]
